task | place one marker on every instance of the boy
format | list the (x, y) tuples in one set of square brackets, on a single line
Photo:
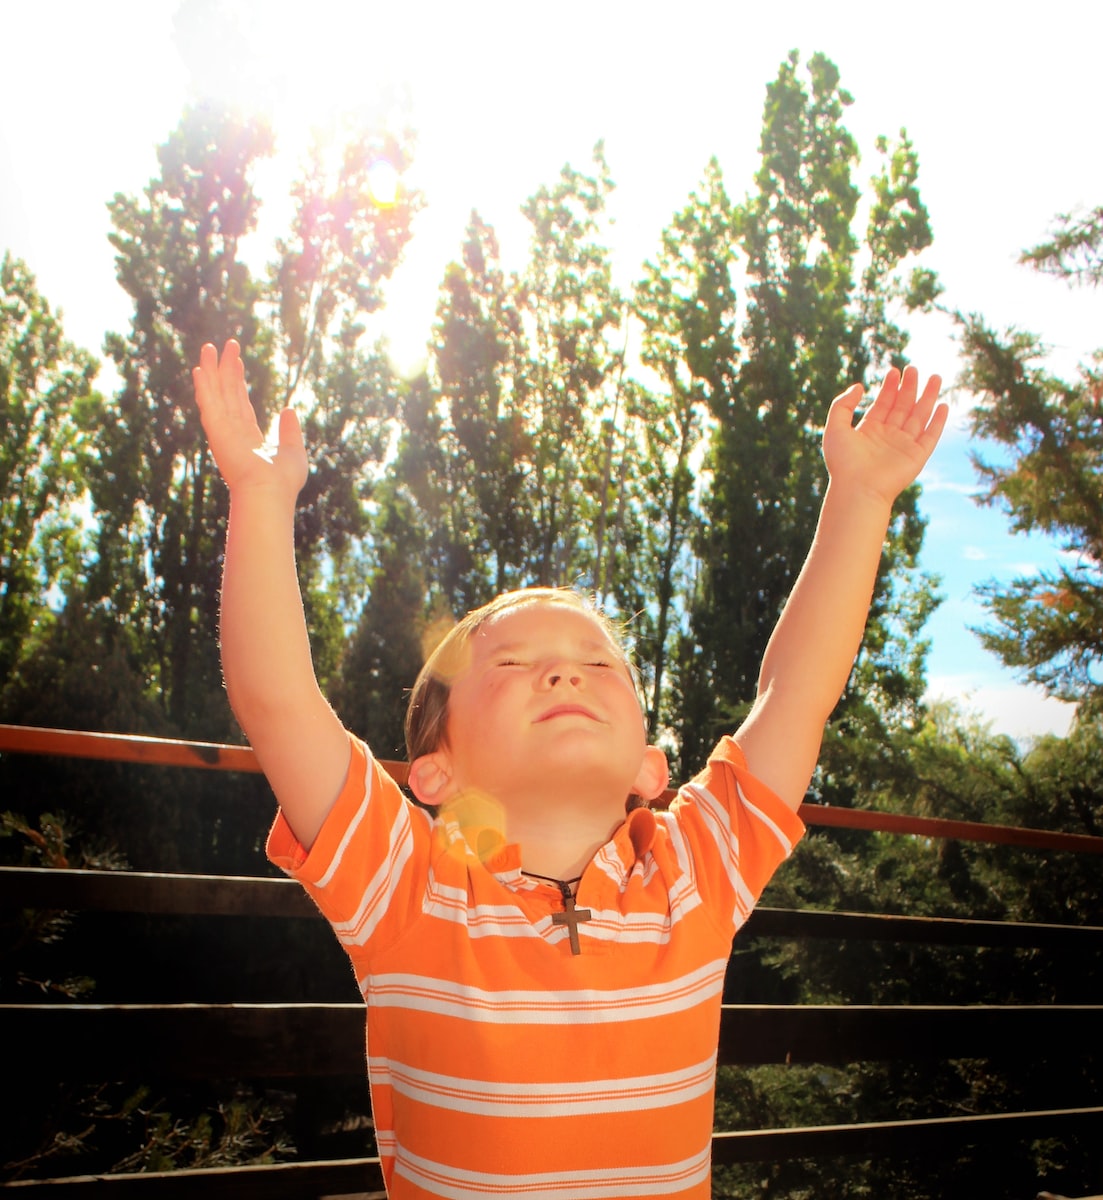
[(542, 976)]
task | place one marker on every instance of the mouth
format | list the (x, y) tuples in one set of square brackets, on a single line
[(566, 710)]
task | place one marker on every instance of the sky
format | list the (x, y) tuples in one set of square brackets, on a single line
[(1000, 101)]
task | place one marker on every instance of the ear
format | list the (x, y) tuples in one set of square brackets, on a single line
[(430, 779), (654, 774)]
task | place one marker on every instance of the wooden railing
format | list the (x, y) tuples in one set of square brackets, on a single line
[(81, 1042)]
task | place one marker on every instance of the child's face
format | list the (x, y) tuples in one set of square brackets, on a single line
[(544, 695)]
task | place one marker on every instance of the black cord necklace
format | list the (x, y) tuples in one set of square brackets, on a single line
[(570, 916)]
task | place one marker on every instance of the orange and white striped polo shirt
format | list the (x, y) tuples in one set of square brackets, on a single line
[(503, 1064)]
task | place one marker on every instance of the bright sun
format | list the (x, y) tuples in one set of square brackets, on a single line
[(383, 182)]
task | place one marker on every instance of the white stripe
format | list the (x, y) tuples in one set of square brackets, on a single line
[(717, 820), (510, 920), (445, 895), (609, 862), (710, 807), (607, 925), (614, 1183), (448, 903), (381, 887), (342, 845), (681, 850), (497, 1099), (484, 920), (687, 895), (444, 997), (632, 928), (684, 897), (768, 821)]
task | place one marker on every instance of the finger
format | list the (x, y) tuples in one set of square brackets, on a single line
[(231, 376), (230, 366), (202, 374), (924, 406), (844, 405), (291, 432), (207, 377), (885, 400), (205, 382), (199, 383), (932, 430), (903, 398)]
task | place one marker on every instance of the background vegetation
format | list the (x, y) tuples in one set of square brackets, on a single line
[(681, 487)]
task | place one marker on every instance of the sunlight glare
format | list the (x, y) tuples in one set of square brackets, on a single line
[(383, 183)]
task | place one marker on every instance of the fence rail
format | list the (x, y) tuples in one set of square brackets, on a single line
[(243, 895), (213, 756), (289, 1041), (360, 1178)]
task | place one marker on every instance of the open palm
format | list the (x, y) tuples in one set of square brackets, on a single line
[(237, 442), (890, 445)]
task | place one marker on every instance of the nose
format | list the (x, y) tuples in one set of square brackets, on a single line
[(561, 672)]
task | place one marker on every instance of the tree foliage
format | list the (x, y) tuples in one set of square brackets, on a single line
[(468, 462), (809, 328), (686, 304), (515, 451), (567, 377), (1047, 475), (159, 505), (128, 637), (47, 405), (345, 241), (1074, 250)]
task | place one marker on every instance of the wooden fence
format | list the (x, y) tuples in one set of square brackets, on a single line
[(81, 1042)]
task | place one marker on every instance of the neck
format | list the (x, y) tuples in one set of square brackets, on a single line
[(558, 850), (562, 883), (561, 826)]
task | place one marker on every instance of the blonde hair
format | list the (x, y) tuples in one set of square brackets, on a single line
[(427, 712)]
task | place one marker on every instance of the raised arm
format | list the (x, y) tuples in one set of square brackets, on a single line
[(812, 649), (299, 742)]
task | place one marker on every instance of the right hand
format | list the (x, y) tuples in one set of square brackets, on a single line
[(890, 445), (243, 456)]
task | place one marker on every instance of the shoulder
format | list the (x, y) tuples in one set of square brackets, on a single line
[(369, 818), (737, 807)]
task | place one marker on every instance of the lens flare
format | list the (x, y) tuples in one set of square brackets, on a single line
[(482, 821), (383, 183)]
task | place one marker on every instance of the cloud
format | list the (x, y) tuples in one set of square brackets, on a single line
[(1017, 710), (934, 482)]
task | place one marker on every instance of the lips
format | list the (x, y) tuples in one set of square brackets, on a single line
[(566, 710)]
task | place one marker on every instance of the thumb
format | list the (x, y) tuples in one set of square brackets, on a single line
[(844, 405), (290, 431)]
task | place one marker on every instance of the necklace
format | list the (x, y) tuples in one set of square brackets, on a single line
[(570, 916)]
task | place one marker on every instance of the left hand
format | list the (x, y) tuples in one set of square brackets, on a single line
[(890, 445)]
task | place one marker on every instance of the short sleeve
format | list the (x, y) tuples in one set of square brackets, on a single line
[(735, 833), (366, 868)]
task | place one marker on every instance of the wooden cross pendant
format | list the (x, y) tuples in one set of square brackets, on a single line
[(570, 916)]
